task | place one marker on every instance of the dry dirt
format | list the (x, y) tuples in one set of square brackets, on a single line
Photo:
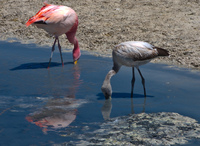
[(170, 24)]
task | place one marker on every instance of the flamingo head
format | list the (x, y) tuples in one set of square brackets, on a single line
[(106, 90), (76, 55)]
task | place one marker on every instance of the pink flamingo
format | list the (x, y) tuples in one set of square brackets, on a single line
[(58, 20)]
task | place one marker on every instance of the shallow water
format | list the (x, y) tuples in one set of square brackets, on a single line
[(47, 106)]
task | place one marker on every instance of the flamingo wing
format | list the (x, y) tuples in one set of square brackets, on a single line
[(49, 14), (136, 50), (45, 15), (56, 20)]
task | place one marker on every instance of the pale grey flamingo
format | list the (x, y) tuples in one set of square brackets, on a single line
[(131, 54), (58, 20)]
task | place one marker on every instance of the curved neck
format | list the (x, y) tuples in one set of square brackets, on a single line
[(106, 87), (72, 39), (109, 76), (76, 45), (76, 50)]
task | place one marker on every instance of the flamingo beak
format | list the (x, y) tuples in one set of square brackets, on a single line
[(75, 62), (109, 98)]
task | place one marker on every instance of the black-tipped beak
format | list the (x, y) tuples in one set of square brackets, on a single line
[(107, 96)]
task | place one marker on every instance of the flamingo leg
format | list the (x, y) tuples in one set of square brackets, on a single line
[(144, 104), (53, 48), (132, 81), (59, 46), (143, 81), (132, 106)]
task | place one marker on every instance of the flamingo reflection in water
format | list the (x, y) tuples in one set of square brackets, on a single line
[(58, 112), (131, 54), (107, 108)]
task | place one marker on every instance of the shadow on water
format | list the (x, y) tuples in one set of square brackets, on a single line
[(38, 65), (122, 95)]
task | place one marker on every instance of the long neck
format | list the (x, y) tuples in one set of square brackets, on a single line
[(76, 50), (72, 39), (106, 87), (71, 34), (76, 44), (109, 76)]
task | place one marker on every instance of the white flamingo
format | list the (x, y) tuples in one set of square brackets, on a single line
[(131, 54)]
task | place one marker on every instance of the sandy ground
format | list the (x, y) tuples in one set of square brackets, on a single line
[(170, 24)]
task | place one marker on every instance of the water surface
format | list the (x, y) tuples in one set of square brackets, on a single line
[(47, 106)]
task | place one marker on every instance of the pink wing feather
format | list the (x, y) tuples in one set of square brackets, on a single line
[(43, 14)]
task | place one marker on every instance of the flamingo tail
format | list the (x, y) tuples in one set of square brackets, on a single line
[(162, 52)]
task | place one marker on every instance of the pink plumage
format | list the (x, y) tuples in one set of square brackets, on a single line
[(58, 20)]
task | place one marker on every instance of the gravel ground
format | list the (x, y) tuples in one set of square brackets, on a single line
[(170, 24)]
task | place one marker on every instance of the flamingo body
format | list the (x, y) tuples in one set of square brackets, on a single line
[(134, 53), (58, 20), (131, 54)]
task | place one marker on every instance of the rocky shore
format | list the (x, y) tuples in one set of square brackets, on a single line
[(143, 129)]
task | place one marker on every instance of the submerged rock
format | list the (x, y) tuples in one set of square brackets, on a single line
[(144, 129)]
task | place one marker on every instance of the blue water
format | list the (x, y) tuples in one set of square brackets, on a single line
[(40, 106)]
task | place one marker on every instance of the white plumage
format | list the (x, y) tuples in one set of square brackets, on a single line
[(131, 54)]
